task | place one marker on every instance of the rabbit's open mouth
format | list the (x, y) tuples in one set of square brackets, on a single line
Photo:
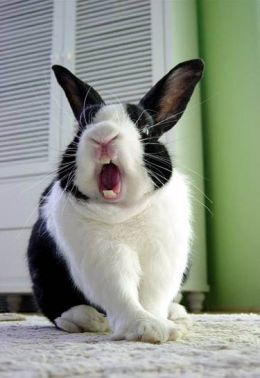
[(110, 181)]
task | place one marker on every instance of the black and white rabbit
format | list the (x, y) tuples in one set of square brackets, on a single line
[(113, 233)]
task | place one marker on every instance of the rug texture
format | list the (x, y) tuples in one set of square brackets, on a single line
[(218, 346)]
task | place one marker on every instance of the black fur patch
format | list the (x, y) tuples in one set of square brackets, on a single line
[(45, 194), (156, 157), (67, 167), (139, 116), (53, 286), (157, 162)]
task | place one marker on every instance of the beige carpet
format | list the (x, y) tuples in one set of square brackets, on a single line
[(218, 346)]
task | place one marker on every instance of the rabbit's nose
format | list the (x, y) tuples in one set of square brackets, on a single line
[(105, 151)]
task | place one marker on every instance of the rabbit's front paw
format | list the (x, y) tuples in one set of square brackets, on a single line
[(177, 330), (148, 329), (179, 315), (82, 318)]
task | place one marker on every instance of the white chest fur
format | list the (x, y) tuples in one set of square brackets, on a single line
[(144, 247)]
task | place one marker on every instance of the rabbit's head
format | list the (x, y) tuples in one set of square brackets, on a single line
[(116, 155)]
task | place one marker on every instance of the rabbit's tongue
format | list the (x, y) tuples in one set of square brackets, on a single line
[(110, 181)]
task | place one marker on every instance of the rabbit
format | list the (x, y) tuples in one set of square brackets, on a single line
[(111, 244)]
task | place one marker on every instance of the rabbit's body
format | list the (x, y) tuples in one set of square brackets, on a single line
[(119, 220), (93, 246)]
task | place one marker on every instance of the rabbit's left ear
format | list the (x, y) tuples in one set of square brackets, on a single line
[(167, 100), (78, 93)]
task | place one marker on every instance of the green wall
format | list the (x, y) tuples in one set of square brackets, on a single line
[(229, 36)]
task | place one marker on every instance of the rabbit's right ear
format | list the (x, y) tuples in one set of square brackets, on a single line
[(78, 93), (167, 100)]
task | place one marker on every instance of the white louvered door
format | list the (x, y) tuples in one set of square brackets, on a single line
[(29, 136), (26, 29), (113, 47)]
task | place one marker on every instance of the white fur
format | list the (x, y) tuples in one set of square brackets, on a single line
[(179, 315), (127, 257), (82, 318)]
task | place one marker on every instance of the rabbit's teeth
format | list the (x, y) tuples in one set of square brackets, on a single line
[(105, 160), (109, 194)]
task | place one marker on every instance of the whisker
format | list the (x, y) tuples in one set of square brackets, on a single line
[(192, 171), (156, 171), (190, 182), (202, 204), (191, 107), (44, 177), (139, 119), (201, 192), (156, 156), (158, 166), (153, 175)]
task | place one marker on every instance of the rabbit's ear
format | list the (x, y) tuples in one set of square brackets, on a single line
[(167, 100), (79, 94)]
